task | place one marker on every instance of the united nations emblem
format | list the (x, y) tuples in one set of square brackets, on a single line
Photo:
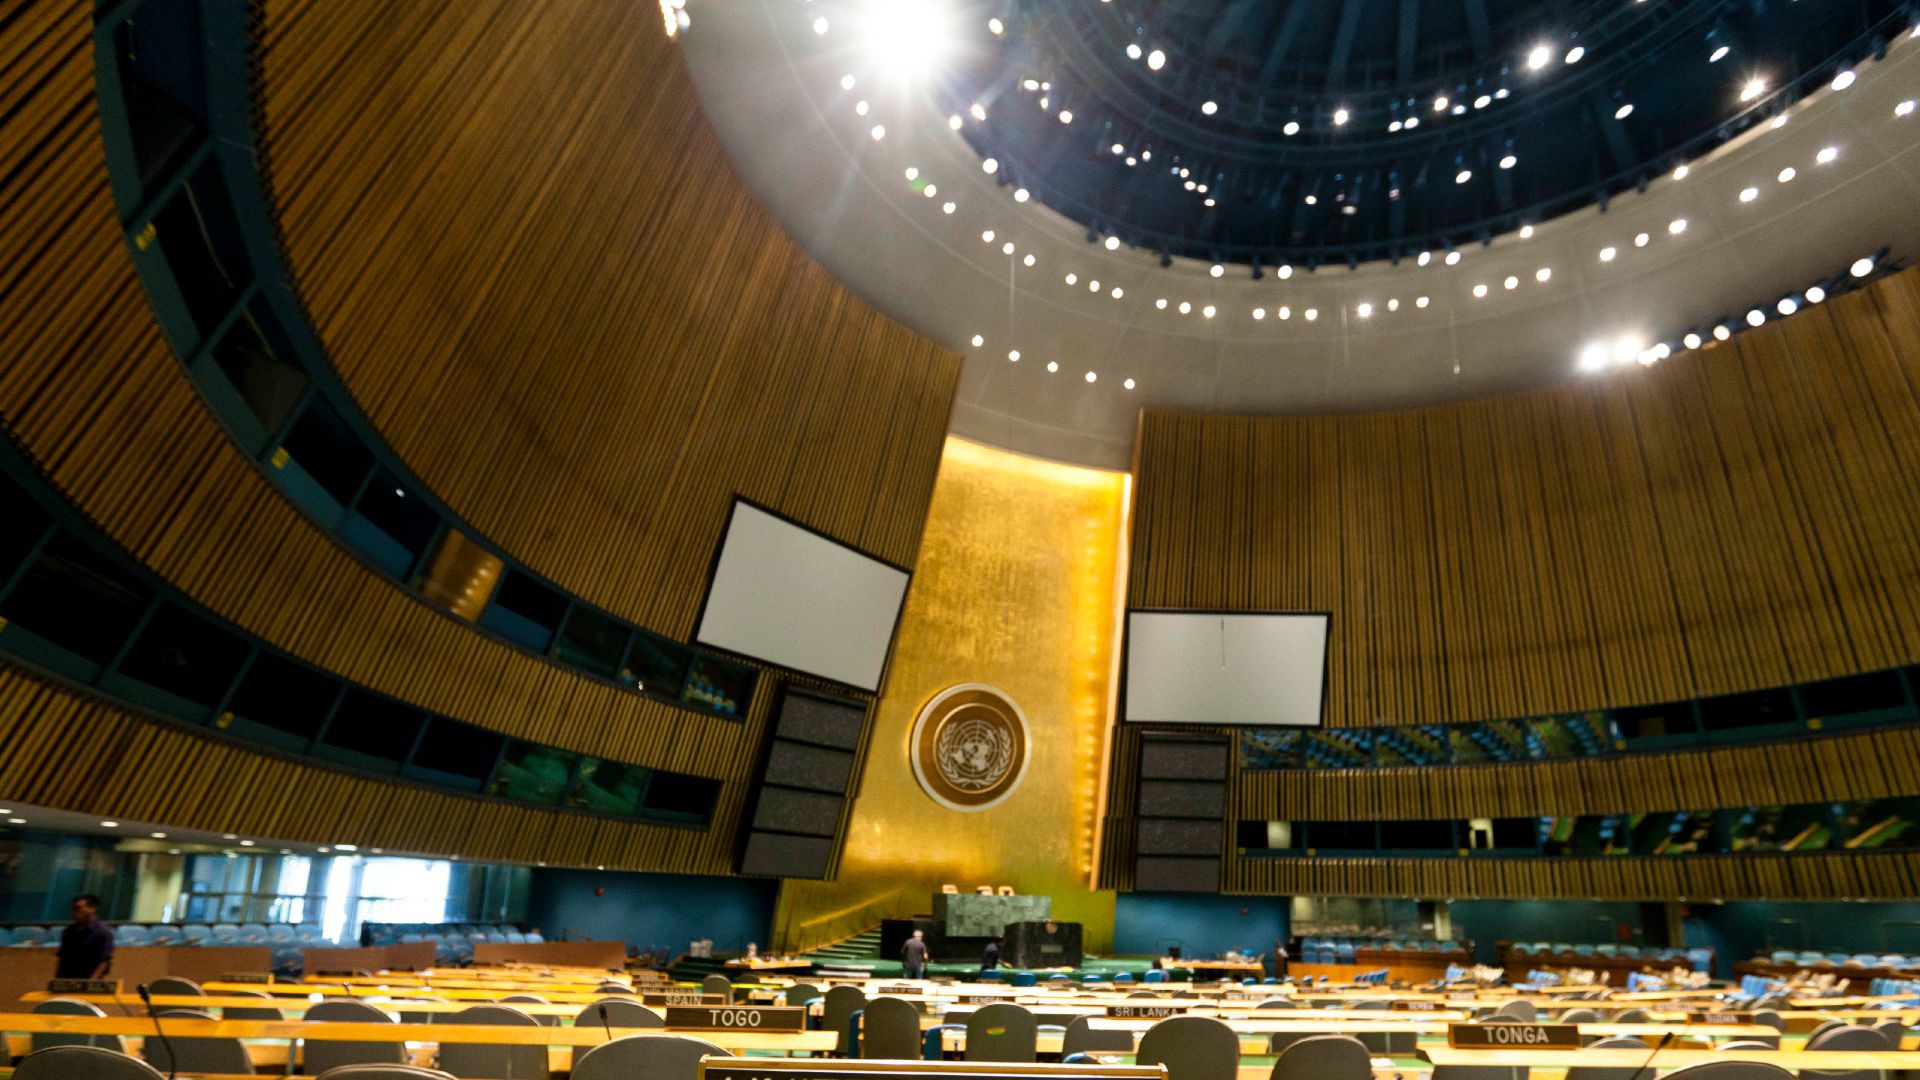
[(969, 747)]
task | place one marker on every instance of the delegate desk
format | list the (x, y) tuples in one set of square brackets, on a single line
[(1629, 1060), (1223, 968)]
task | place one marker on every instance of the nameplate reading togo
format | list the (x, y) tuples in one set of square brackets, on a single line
[(736, 1018), (83, 986), (1144, 1011), (1417, 1006), (670, 998), (255, 978), (1512, 1036), (1719, 1017)]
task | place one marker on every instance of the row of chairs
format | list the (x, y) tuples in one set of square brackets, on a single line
[(305, 934), (1896, 961), (665, 1055)]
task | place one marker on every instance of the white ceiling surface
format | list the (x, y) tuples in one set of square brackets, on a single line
[(771, 87)]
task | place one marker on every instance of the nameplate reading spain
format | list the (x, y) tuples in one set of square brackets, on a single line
[(681, 997), (83, 986), (737, 1018), (1142, 1011), (1513, 1036)]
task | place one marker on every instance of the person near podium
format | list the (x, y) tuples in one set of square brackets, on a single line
[(913, 956), (990, 957)]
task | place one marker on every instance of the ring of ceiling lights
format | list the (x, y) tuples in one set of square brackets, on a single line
[(1195, 157)]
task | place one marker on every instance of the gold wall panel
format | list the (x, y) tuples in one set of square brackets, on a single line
[(1735, 518), (1017, 587)]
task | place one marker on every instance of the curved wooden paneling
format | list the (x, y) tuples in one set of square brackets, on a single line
[(1731, 519), (1879, 876), (1873, 765), (537, 271), (61, 750)]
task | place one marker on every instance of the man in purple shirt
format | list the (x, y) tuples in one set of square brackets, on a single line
[(86, 947)]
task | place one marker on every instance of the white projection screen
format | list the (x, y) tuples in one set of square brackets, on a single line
[(1190, 667), (788, 596)]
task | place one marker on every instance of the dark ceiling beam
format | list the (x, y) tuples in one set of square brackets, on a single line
[(1235, 21), (1613, 132), (1479, 28), (1350, 12), (1408, 42), (1296, 16)]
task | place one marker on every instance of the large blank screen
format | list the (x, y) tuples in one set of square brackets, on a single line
[(1193, 668), (791, 597)]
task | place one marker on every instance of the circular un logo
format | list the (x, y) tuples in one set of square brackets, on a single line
[(969, 747)]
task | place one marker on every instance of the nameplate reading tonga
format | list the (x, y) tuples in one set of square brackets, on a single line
[(731, 1068), (83, 986), (1513, 1036), (1144, 1011), (736, 1018), (1719, 1016), (252, 978), (681, 997), (1417, 1006)]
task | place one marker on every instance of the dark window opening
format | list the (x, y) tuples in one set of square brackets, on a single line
[(77, 599)]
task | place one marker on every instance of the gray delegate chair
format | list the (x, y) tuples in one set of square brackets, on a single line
[(532, 999), (800, 993), (47, 1040), (1823, 1027), (1280, 1003), (1578, 1016), (318, 1056), (1083, 1038), (1002, 1031), (717, 984), (175, 986), (1891, 1030), (264, 1012), (1143, 994), (1631, 1016), (620, 1013), (1192, 1048), (837, 1011), (1845, 1038), (384, 1072), (1522, 1011), (84, 1063), (890, 1029), (194, 1055), (646, 1057), (482, 1061), (1728, 1070), (1324, 1057), (1618, 1042)]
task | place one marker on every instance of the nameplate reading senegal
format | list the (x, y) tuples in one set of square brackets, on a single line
[(984, 999), (1513, 1036), (1143, 1011), (1719, 1017), (736, 1018), (254, 978), (83, 986), (681, 997)]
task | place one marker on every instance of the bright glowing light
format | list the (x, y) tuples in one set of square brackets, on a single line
[(978, 341), (955, 122), (820, 24), (907, 38), (1778, 122), (1066, 116), (1393, 304), (1128, 384), (1594, 358), (1640, 239), (1285, 272), (1053, 365), (879, 132), (1208, 108), (1607, 253), (1440, 103), (1843, 80), (1340, 116), (1118, 292), (1677, 226), (1014, 355), (1029, 260), (1481, 102), (1207, 311), (1627, 348), (1749, 194), (1623, 111), (1365, 311), (1722, 332), (990, 166), (1753, 89), (1311, 314), (1786, 174), (1073, 279), (1509, 161), (1161, 303), (1463, 176), (1293, 127), (986, 236), (1691, 341), (1420, 301), (996, 26), (1827, 154), (1117, 149), (1113, 243), (1680, 173), (1259, 313), (978, 111), (1285, 312), (846, 81), (1538, 57), (1511, 282), (1905, 108), (1186, 308), (1816, 294), (861, 108), (1787, 305), (1425, 258), (1453, 258), (1480, 291), (1216, 270), (1021, 195), (1091, 376), (1718, 54), (948, 208), (1543, 275), (1133, 50), (1156, 60), (1861, 267), (1575, 54), (1526, 232), (1756, 317)]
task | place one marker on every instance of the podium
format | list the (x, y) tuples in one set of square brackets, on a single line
[(1042, 945)]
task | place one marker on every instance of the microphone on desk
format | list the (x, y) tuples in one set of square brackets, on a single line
[(603, 1021), (1665, 1038), (173, 1062)]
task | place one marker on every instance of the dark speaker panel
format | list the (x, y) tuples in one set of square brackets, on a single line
[(1158, 874), (1176, 836)]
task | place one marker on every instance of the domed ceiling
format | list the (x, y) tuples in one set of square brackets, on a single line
[(1273, 206)]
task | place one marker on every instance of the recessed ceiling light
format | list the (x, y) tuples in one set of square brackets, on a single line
[(1053, 365), (978, 341), (1259, 313), (1816, 294), (1161, 303), (1827, 154), (1029, 260), (1419, 301), (1091, 376), (1509, 161), (1677, 226), (1094, 285), (1753, 89), (990, 166), (1749, 194), (1440, 103), (1787, 305), (846, 81), (1113, 243), (246, 843), (1209, 107), (930, 191), (1722, 332), (1623, 111), (1680, 172), (1365, 311), (1479, 291), (1311, 314), (1393, 304), (1778, 122), (1066, 116), (1185, 307), (1718, 54), (1511, 282), (1340, 117), (346, 847), (1133, 50), (1118, 292), (954, 122), (1575, 54), (986, 236), (1156, 60), (820, 24), (1128, 384), (1216, 270), (996, 27), (1013, 355), (1021, 195), (1640, 239), (16, 821), (1453, 258), (1756, 317), (1607, 253), (978, 112), (1843, 80), (1543, 275), (948, 208), (1905, 108), (1313, 200), (1284, 272), (1293, 128), (878, 132), (1786, 174), (1526, 232), (1861, 267), (158, 835), (1481, 102), (1207, 311), (1691, 341), (1538, 56), (109, 824), (861, 108)]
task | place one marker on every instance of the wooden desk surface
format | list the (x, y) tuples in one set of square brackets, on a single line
[(1833, 1060), (133, 1003), (303, 991), (492, 1034)]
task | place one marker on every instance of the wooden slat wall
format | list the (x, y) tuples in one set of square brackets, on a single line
[(1878, 876), (1873, 765), (62, 750), (1728, 520), (535, 267)]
